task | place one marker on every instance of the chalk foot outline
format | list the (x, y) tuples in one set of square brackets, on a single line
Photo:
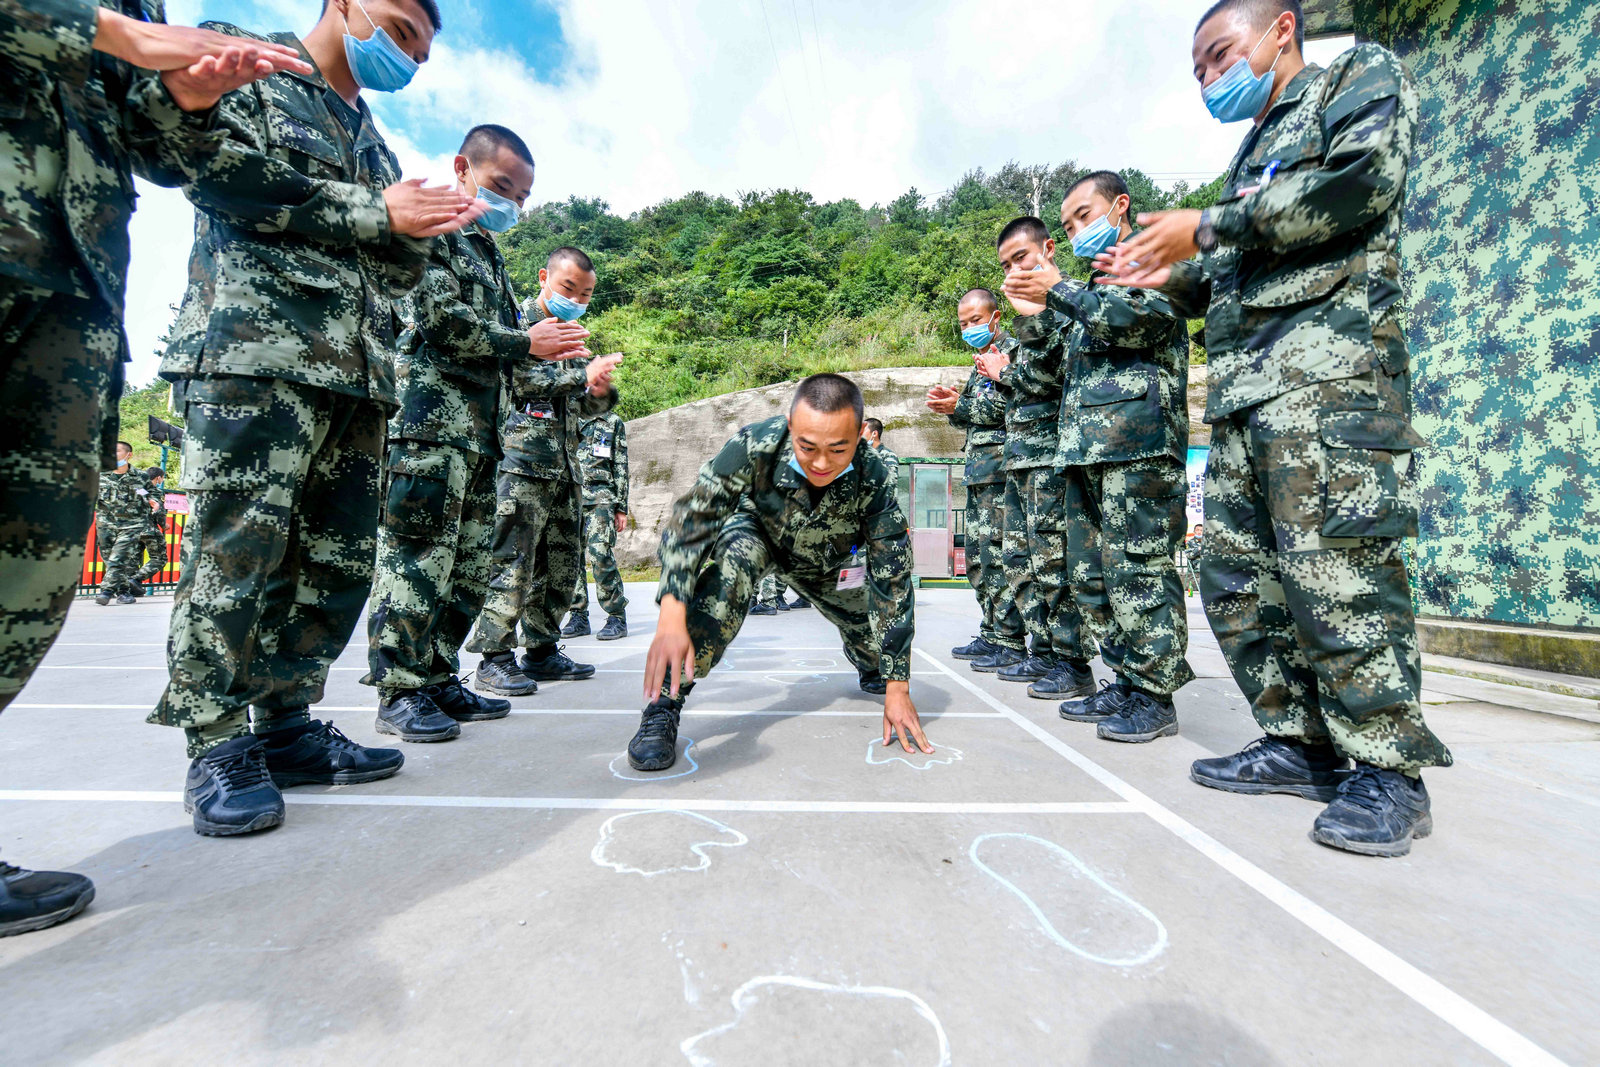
[(598, 853), (628, 774), (938, 759)]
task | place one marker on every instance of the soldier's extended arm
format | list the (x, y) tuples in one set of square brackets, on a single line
[(698, 515), (537, 379), (1126, 318), (890, 598), (619, 466), (967, 402), (1369, 136), (1188, 289), (450, 324), (1035, 372)]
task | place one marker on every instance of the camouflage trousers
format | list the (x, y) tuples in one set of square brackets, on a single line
[(60, 375), (121, 546), (600, 535), (721, 600), (1124, 522), (433, 563), (277, 552), (536, 551), (1034, 550), (153, 539), (1307, 497), (771, 590), (986, 568)]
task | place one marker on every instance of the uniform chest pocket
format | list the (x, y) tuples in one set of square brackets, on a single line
[(1368, 489), (303, 143), (1043, 409)]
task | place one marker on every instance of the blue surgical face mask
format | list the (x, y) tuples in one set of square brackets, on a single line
[(1096, 237), (979, 336), (1240, 93), (801, 471), (377, 63), (563, 308), (503, 211)]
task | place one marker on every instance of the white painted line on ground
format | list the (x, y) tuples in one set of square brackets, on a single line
[(809, 807), (710, 712), (1451, 1007), (716, 672)]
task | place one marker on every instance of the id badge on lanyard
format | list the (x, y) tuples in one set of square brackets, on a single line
[(852, 575), (602, 446)]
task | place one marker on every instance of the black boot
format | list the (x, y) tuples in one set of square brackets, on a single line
[(655, 746), (1142, 717), (577, 626), (781, 604), (102, 598), (998, 660), (552, 665), (1378, 812), (1098, 706), (33, 900), (1275, 765), (463, 705), (872, 682), (135, 588), (977, 648), (799, 602), (318, 754), (126, 597), (411, 715), (615, 629), (499, 673), (229, 790), (1065, 680), (759, 608), (1031, 668)]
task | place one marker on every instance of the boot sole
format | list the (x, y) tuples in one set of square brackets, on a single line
[(1387, 849), (613, 637), (995, 670), (265, 821), (1092, 717), (395, 731), (40, 922), (651, 765), (968, 655), (1086, 690), (1321, 793), (338, 777), (480, 684), (1029, 679), (1170, 730), (569, 676), (478, 716)]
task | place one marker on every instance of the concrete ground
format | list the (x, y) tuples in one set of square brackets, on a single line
[(791, 892)]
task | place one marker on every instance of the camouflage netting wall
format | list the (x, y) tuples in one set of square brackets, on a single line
[(1502, 258)]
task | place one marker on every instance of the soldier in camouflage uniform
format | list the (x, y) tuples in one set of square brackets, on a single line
[(1124, 436), (121, 516), (1308, 485), (769, 596), (537, 544), (79, 111), (980, 409), (282, 356), (1035, 544), (872, 433), (463, 328), (805, 497), (603, 457), (154, 537)]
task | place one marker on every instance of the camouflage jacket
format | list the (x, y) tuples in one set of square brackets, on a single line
[(1126, 394), (604, 459), (75, 124), (858, 510), (981, 411), (156, 498), (1035, 376), (1304, 284), (461, 326), (890, 459), (123, 499), (549, 402), (294, 272)]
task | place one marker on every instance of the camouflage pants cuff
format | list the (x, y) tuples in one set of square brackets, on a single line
[(268, 721), (202, 739)]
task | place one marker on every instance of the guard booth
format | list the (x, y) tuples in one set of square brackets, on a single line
[(933, 497)]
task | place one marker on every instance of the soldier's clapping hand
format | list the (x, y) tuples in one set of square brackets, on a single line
[(600, 369), (1168, 237), (200, 86), (992, 364), (942, 399), (416, 210), (553, 339), (158, 46)]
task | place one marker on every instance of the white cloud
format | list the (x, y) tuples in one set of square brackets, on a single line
[(660, 99)]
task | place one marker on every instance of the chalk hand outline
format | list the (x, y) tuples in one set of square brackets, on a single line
[(607, 837), (943, 756)]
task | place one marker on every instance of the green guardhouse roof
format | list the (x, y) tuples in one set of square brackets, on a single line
[(1329, 18)]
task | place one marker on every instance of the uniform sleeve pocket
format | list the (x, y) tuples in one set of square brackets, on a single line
[(417, 503), (1155, 514), (1367, 488)]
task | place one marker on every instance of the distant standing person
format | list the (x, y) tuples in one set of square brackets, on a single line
[(154, 538), (121, 518), (872, 433), (603, 459)]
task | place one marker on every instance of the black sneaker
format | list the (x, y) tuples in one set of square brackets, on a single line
[(555, 667), (33, 900), (102, 599), (763, 609), (1141, 718), (1275, 765), (1064, 680), (127, 598), (1029, 668), (411, 715), (999, 660), (615, 629), (577, 626), (1098, 706), (134, 589), (499, 673), (321, 755), (655, 746), (799, 602), (230, 791), (977, 648), (463, 705), (872, 682), (781, 604), (1378, 812)]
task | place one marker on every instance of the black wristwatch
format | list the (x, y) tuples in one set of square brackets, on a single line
[(1205, 238)]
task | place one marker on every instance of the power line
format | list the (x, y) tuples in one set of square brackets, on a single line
[(816, 40), (805, 64), (773, 44)]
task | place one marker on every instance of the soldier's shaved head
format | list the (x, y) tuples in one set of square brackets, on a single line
[(483, 142), (567, 254), (980, 299), (1259, 15), (828, 393), (1027, 227)]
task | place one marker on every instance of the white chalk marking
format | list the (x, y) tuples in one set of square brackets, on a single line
[(709, 712), (603, 670), (744, 997), (943, 756), (654, 776), (1156, 947), (598, 855), (787, 807), (1452, 1008)]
